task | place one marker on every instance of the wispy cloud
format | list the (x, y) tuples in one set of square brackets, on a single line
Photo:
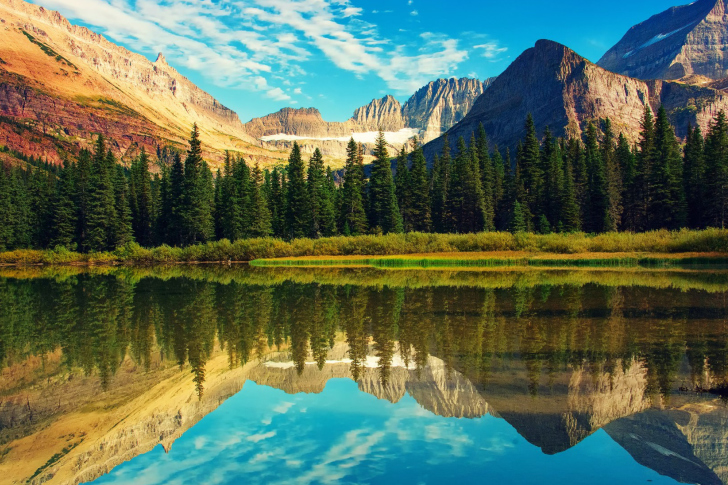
[(491, 50), (249, 43)]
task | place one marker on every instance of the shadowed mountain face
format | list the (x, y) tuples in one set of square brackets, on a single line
[(91, 362), (682, 41), (564, 91)]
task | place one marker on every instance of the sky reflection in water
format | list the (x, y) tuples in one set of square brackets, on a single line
[(263, 435)]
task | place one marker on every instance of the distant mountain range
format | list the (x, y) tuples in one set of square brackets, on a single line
[(429, 113), (61, 84)]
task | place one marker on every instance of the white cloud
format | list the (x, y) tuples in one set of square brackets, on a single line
[(277, 94), (491, 50), (414, 13), (258, 45), (256, 438), (297, 91)]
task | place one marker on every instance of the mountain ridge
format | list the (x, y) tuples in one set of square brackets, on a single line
[(564, 91), (679, 42)]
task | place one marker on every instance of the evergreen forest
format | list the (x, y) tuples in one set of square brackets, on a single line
[(598, 183)]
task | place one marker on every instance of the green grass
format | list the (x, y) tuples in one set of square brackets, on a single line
[(54, 459), (708, 247), (49, 51)]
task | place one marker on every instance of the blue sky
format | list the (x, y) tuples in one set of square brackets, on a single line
[(257, 56), (263, 435)]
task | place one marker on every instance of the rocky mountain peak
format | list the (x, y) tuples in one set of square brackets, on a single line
[(384, 113), (678, 42), (564, 91), (161, 59)]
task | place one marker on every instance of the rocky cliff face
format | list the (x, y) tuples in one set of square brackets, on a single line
[(441, 104), (564, 91), (81, 84), (679, 42), (384, 114)]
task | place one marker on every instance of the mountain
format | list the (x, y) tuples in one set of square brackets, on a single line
[(441, 104), (430, 112), (61, 84), (682, 41), (564, 91)]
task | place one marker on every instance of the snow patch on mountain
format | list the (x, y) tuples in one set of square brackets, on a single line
[(396, 137)]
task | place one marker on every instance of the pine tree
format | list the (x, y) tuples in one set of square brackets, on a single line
[(667, 202), (488, 179), (65, 212), (353, 216), (596, 216), (198, 225), (384, 212), (626, 163), (694, 178), (518, 219), (173, 207), (529, 163), (440, 187), (419, 190), (322, 219), (403, 187), (716, 170), (613, 176), (570, 214), (142, 204), (101, 202), (641, 187), (122, 232), (297, 211), (276, 204), (261, 217)]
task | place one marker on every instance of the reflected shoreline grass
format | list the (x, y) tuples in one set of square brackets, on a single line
[(504, 277)]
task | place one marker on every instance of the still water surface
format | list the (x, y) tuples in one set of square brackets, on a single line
[(265, 375)]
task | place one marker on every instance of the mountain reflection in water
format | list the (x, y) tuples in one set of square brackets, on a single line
[(573, 375)]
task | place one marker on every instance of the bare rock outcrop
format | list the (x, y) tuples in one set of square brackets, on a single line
[(682, 41), (441, 104)]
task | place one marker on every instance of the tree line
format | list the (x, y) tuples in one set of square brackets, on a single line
[(596, 183)]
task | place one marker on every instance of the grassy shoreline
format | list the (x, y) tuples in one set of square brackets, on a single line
[(659, 247)]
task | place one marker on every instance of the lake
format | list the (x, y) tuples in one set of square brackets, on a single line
[(226, 375)]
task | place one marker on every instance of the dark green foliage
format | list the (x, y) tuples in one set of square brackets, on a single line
[(440, 183), (297, 211), (403, 184), (65, 212), (320, 199), (666, 206), (384, 212), (353, 213), (716, 170), (694, 178), (141, 200), (101, 210), (518, 219), (421, 220), (196, 210)]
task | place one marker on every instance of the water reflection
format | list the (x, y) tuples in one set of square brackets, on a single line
[(557, 355)]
